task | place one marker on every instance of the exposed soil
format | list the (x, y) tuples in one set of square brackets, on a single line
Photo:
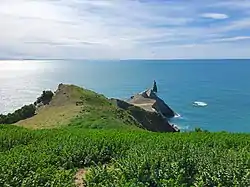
[(79, 177)]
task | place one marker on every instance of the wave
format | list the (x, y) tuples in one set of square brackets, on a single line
[(176, 115), (200, 104)]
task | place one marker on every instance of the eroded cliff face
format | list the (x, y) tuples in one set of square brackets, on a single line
[(150, 120), (149, 110)]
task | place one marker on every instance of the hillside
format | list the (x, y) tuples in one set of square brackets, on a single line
[(75, 106), (59, 111), (72, 105)]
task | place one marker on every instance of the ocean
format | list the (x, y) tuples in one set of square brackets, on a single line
[(224, 85)]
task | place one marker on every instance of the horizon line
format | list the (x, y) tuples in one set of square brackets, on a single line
[(114, 59)]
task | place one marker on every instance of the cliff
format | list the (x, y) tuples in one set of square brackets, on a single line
[(150, 120), (149, 110)]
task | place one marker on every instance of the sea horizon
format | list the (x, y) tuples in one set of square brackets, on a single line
[(125, 59)]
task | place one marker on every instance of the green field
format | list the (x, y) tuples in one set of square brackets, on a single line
[(122, 158), (102, 145)]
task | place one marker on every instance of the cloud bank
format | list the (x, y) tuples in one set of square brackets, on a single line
[(104, 29)]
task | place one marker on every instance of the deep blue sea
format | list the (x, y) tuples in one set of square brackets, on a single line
[(223, 84)]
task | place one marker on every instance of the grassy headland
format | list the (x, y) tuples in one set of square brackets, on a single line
[(75, 106)]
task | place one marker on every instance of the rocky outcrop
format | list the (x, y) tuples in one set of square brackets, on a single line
[(155, 89), (149, 101), (149, 110), (152, 121)]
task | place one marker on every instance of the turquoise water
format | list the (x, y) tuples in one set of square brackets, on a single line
[(223, 84)]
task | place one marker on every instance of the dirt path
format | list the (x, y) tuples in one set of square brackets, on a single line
[(79, 177)]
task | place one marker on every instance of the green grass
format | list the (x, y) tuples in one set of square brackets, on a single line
[(94, 112), (118, 157), (98, 112)]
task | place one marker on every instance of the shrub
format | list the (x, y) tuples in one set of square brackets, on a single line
[(45, 98), (25, 112)]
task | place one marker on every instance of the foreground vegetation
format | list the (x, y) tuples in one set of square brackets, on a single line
[(122, 158)]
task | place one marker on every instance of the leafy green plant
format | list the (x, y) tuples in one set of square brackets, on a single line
[(122, 158)]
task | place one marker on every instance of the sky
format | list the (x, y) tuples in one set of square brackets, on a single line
[(124, 29)]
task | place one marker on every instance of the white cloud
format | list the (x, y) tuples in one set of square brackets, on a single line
[(109, 29), (231, 39), (214, 16)]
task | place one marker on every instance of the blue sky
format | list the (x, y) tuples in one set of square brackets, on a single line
[(123, 29)]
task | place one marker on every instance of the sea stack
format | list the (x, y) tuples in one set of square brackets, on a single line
[(154, 89)]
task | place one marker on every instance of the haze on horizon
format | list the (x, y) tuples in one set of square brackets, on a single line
[(104, 29)]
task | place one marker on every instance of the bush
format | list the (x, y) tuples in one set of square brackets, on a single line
[(25, 112), (45, 98)]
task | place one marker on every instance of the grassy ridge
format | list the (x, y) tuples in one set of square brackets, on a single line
[(122, 158), (75, 106)]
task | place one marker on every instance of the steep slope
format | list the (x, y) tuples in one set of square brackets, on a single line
[(59, 111), (75, 106), (149, 110), (150, 120)]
